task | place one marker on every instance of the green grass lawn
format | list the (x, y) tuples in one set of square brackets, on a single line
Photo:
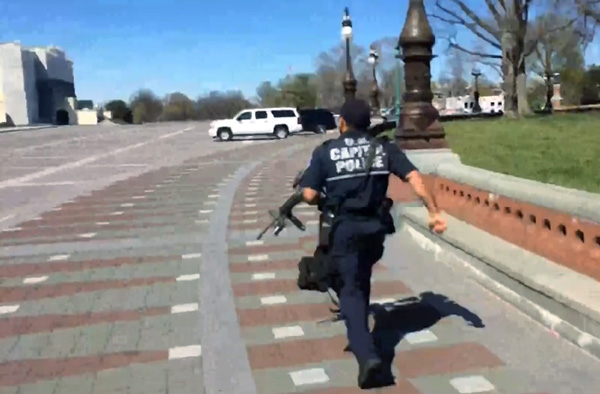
[(559, 149)]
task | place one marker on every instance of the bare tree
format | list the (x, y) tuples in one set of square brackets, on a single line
[(503, 26), (330, 70)]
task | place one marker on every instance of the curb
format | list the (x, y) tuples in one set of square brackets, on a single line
[(25, 128), (505, 286)]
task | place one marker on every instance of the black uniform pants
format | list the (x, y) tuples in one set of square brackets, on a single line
[(356, 246)]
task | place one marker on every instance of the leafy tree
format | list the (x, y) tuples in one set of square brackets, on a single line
[(120, 111), (177, 106), (146, 106), (221, 105)]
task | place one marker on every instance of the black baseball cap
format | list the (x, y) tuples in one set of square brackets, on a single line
[(356, 113)]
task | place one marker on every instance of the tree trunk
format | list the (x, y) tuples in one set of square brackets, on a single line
[(511, 99), (521, 80), (523, 102)]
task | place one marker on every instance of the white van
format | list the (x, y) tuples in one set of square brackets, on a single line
[(279, 122)]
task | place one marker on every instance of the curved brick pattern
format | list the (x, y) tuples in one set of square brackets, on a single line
[(49, 323), (20, 372), (18, 294), (36, 269), (166, 313)]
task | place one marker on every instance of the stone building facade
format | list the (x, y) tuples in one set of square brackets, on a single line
[(36, 85)]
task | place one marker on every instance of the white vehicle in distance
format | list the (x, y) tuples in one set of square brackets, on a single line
[(278, 122)]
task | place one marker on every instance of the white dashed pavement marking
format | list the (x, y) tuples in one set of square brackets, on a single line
[(148, 190), (250, 205), (309, 376), (102, 223), (263, 276), (186, 278), (138, 197), (273, 300), (255, 243), (191, 256), (59, 257), (6, 309), (287, 332), (182, 308), (12, 229), (248, 221), (258, 257), (204, 211), (424, 336), (472, 384), (117, 213), (250, 212), (35, 279), (185, 352), (383, 301), (87, 235), (213, 196)]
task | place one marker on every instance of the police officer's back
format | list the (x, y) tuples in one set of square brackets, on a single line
[(355, 169)]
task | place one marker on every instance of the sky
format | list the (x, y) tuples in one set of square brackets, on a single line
[(195, 46)]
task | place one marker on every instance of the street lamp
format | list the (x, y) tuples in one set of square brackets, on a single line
[(373, 57), (398, 82), (549, 90), (349, 80), (476, 107)]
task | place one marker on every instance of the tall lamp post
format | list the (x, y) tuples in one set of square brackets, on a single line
[(349, 80), (549, 89), (398, 82), (476, 74), (419, 126), (373, 57)]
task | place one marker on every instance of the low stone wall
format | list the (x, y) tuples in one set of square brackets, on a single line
[(560, 224)]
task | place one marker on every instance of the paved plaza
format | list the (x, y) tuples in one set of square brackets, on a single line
[(128, 264)]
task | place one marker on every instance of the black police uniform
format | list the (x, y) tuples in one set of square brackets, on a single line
[(358, 233)]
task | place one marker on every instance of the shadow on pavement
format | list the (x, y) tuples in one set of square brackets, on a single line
[(395, 320)]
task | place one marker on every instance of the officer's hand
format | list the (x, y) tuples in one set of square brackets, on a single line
[(437, 223)]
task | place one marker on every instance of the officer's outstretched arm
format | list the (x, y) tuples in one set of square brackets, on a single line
[(415, 180)]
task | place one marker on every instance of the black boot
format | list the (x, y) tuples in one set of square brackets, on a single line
[(368, 373), (348, 348)]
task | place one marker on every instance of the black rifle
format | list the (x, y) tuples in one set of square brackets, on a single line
[(283, 214)]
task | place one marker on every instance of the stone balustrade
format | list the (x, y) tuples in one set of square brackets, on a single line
[(560, 224)]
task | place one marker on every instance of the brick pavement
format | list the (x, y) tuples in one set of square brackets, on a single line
[(109, 319), (292, 349), (105, 318)]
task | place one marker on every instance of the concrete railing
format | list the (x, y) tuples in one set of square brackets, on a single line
[(537, 246), (560, 224)]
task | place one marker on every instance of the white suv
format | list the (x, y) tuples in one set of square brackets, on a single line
[(279, 122)]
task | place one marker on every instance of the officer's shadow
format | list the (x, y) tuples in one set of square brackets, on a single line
[(412, 314)]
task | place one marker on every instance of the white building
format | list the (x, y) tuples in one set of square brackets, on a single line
[(36, 86), (465, 104)]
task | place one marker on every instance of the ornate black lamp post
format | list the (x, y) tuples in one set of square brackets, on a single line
[(549, 90), (476, 107), (349, 80), (419, 126), (373, 57)]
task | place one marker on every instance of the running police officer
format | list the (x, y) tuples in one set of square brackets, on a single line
[(355, 194)]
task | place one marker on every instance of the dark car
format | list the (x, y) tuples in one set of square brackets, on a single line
[(317, 120)]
